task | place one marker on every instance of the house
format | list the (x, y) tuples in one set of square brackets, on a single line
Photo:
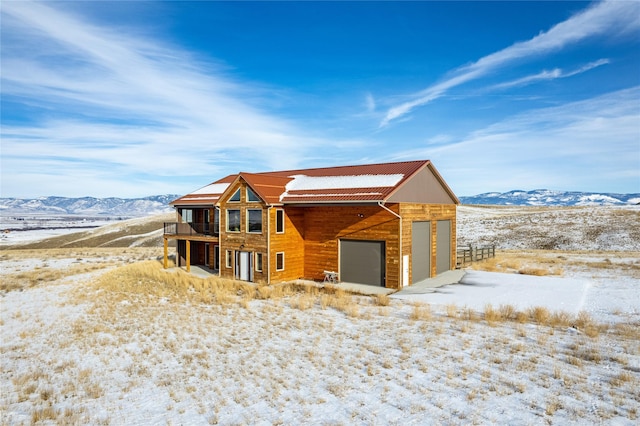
[(389, 225)]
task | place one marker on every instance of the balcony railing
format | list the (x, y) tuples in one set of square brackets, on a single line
[(178, 228)]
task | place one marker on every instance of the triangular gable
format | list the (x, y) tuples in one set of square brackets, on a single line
[(425, 186), (267, 188)]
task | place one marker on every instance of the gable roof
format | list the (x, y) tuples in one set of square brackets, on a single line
[(363, 183)]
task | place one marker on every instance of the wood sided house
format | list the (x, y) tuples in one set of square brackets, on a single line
[(389, 225)]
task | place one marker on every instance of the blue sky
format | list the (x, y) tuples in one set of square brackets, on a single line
[(139, 98)]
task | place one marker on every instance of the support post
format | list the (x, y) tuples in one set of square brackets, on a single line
[(166, 253), (188, 255)]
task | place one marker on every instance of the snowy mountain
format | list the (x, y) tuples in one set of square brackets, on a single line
[(545, 197), (87, 206), (157, 204)]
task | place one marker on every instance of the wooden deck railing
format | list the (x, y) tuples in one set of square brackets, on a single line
[(473, 254), (178, 228)]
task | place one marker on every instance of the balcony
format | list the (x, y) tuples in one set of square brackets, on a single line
[(191, 229)]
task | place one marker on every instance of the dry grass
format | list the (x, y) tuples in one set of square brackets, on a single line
[(382, 300), (492, 315), (421, 312), (556, 262)]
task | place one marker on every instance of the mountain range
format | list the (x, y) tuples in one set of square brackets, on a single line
[(87, 206), (156, 204), (545, 197)]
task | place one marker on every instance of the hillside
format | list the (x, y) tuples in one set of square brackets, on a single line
[(550, 228), (138, 232)]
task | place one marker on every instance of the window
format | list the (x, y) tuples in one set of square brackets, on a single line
[(254, 220), (279, 221), (228, 261), (233, 220), (187, 215), (216, 220), (259, 262), (236, 196), (251, 196), (280, 261)]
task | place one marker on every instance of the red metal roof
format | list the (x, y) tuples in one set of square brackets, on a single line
[(207, 195), (361, 183)]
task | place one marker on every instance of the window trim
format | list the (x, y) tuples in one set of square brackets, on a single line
[(228, 259), (277, 254), (248, 228), (280, 212), (258, 264), (228, 229)]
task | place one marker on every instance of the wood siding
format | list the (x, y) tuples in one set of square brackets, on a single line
[(243, 240), (291, 243), (325, 226), (432, 213)]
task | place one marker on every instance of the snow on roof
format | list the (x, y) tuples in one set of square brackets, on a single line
[(305, 183), (214, 188)]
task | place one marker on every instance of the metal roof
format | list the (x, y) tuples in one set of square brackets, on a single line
[(344, 184)]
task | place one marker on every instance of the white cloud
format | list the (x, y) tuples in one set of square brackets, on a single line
[(549, 75), (135, 103), (607, 17)]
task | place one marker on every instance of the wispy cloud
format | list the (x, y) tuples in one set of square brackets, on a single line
[(589, 145), (130, 102), (548, 75), (607, 17)]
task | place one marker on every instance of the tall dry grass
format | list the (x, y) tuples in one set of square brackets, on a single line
[(148, 280)]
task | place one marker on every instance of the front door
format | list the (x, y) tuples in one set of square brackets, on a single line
[(244, 265)]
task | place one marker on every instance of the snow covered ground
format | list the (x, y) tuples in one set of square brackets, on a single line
[(550, 228), (77, 351), (22, 229)]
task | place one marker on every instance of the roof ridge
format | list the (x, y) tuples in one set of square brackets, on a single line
[(348, 166)]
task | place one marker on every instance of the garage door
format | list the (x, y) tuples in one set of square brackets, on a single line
[(420, 251), (443, 246), (362, 262)]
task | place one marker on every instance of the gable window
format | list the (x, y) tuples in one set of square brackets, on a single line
[(280, 261), (251, 196), (258, 262), (233, 220), (235, 197), (254, 220), (228, 260), (279, 221)]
